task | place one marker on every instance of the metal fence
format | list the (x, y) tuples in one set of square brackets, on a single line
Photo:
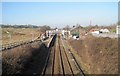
[(16, 44)]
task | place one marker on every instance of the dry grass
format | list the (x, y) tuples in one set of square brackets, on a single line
[(99, 55), (19, 59), (18, 34)]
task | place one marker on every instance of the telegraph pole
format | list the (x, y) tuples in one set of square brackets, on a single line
[(90, 22), (78, 29)]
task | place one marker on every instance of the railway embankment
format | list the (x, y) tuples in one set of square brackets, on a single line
[(24, 59), (97, 55)]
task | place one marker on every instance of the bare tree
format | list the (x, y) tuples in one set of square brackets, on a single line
[(45, 27), (67, 27)]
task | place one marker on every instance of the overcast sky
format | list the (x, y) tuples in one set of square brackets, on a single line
[(60, 14)]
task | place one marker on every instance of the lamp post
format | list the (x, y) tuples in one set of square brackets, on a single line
[(67, 31)]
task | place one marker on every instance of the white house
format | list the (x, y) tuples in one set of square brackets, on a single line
[(95, 32), (104, 31)]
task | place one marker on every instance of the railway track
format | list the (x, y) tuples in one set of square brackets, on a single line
[(61, 61), (50, 58)]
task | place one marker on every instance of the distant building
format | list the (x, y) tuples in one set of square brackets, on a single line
[(65, 33), (118, 30), (98, 31), (94, 31), (56, 29), (50, 32), (104, 31)]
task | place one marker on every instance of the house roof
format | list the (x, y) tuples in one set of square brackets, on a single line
[(94, 29)]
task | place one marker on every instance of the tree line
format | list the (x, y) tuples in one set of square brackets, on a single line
[(18, 26)]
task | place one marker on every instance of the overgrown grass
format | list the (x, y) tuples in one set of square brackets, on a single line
[(19, 59), (99, 55)]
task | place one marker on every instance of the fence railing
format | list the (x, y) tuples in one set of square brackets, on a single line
[(19, 43), (16, 44)]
